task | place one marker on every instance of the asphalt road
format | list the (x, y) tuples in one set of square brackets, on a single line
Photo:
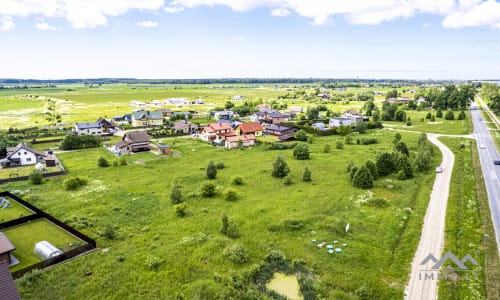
[(491, 172), (432, 238)]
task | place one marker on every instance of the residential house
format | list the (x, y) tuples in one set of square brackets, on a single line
[(339, 121), (319, 126), (88, 128), (107, 127), (324, 96), (235, 141), (162, 149), (134, 141), (296, 109), (279, 130), (147, 118), (269, 116), (122, 120), (403, 100), (185, 127), (238, 98), (253, 128), (199, 101), (263, 106), (8, 288), (6, 248), (225, 115), (137, 103), (351, 112), (216, 132), (22, 155), (167, 112)]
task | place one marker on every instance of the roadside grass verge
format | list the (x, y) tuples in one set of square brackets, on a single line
[(468, 226)]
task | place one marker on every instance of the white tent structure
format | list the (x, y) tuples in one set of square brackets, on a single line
[(45, 250), (40, 167)]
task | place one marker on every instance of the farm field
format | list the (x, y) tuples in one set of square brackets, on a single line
[(25, 236), (187, 253)]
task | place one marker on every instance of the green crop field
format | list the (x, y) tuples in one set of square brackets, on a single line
[(187, 252)]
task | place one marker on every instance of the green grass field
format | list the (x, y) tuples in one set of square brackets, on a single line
[(22, 171), (24, 238), (134, 200), (439, 126), (13, 212)]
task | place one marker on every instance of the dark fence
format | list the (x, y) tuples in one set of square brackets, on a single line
[(46, 141), (38, 214), (21, 178)]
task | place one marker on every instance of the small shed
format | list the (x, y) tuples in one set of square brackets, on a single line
[(6, 248), (45, 250), (163, 149), (50, 162)]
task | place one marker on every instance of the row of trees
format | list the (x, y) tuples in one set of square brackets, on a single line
[(73, 141), (491, 94), (448, 97)]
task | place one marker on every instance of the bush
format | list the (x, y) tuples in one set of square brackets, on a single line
[(339, 145), (449, 115), (439, 113), (428, 116), (433, 118), (220, 166), (385, 164), (397, 138), (109, 232), (280, 168), (372, 168), (123, 161), (327, 148), (287, 180), (36, 177), (363, 178), (461, 115), (102, 162), (176, 195), (207, 189), (236, 254), (368, 141), (402, 148), (74, 141), (349, 166), (211, 170), (115, 163), (301, 135), (180, 209), (408, 123), (153, 262), (276, 258), (282, 146), (229, 228), (230, 194), (301, 151), (72, 184), (237, 180), (306, 176)]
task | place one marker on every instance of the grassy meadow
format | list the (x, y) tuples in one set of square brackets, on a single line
[(134, 200)]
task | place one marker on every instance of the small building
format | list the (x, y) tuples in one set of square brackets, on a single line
[(162, 149), (235, 141), (225, 114), (185, 127), (88, 128), (339, 121), (50, 162), (269, 116), (216, 132), (147, 118), (249, 128), (6, 248), (134, 141), (279, 130), (238, 98), (45, 250), (8, 288), (319, 126), (22, 155)]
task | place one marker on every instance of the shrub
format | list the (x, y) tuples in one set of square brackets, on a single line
[(102, 162), (428, 116), (229, 228), (301, 151), (397, 138), (385, 164), (211, 170), (109, 232), (230, 194), (72, 184), (433, 118), (301, 135), (461, 115), (361, 127), (352, 172), (372, 168), (368, 141), (327, 148), (348, 140), (282, 146), (339, 145), (220, 166), (176, 195), (207, 189), (377, 202), (449, 115), (408, 123), (237, 180), (349, 166), (123, 161), (276, 258), (153, 262), (402, 148), (363, 178), (280, 168), (439, 113), (115, 163), (287, 180), (36, 177), (403, 166), (306, 176), (180, 209), (235, 253), (74, 141)]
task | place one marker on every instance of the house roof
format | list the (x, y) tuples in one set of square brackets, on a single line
[(104, 123), (181, 125), (11, 151), (243, 138), (146, 114), (8, 288), (121, 144), (220, 126), (5, 244), (137, 137), (81, 126), (250, 127), (352, 112), (275, 127)]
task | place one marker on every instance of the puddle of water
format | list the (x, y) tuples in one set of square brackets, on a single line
[(286, 285)]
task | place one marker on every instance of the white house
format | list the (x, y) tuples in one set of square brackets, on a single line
[(238, 98), (225, 115), (340, 121), (22, 155), (88, 128)]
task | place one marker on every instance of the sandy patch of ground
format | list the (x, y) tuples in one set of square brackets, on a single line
[(286, 285)]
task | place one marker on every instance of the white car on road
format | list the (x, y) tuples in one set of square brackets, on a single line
[(482, 146), (439, 169)]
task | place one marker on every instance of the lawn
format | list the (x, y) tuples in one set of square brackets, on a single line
[(13, 212), (440, 125), (187, 252), (22, 171), (24, 237)]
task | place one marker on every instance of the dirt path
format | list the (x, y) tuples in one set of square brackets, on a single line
[(432, 238)]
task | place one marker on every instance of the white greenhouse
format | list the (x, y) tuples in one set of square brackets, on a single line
[(45, 250)]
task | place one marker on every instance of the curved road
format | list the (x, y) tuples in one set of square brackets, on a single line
[(432, 238)]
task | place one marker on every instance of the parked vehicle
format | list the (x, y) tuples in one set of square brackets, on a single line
[(439, 169), (496, 162)]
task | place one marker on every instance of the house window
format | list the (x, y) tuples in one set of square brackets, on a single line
[(25, 153), (28, 159)]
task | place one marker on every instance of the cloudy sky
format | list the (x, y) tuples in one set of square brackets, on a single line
[(421, 39)]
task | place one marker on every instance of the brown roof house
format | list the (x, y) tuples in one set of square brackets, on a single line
[(22, 155), (6, 248), (236, 141), (249, 128), (134, 141), (8, 288), (217, 132)]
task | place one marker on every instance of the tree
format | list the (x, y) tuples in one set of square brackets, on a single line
[(301, 135), (461, 115), (400, 116), (428, 116), (422, 160), (229, 105), (207, 189), (350, 165), (301, 151), (211, 170), (102, 162), (306, 176), (339, 144), (361, 127), (344, 130), (176, 195), (439, 113), (370, 165), (385, 164), (401, 147), (352, 172), (449, 115), (230, 194), (397, 138), (403, 166), (280, 168), (363, 178), (36, 177)]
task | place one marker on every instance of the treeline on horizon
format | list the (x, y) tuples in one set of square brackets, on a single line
[(324, 81)]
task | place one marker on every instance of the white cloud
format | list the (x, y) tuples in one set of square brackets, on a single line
[(7, 24), (280, 12), (44, 26), (484, 14), (239, 38), (147, 24), (174, 9)]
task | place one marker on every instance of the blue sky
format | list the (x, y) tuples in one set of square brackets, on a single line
[(413, 39)]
